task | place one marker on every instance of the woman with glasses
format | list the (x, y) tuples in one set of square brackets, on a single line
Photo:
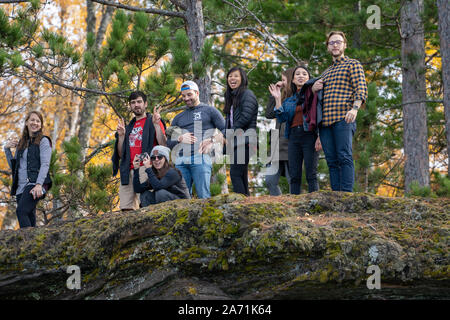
[(164, 183)]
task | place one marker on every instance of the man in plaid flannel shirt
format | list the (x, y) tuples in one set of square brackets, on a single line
[(345, 90)]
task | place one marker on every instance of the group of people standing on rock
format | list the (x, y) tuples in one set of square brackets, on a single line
[(142, 151), (311, 114)]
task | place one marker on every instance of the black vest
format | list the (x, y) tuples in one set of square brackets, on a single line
[(33, 166)]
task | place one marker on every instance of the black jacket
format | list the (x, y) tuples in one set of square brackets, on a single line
[(33, 167), (148, 138), (244, 113)]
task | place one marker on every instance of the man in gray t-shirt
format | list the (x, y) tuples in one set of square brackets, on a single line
[(198, 123)]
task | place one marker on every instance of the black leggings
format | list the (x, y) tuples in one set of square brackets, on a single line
[(26, 208), (239, 173)]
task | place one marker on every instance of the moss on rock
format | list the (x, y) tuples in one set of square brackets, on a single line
[(236, 247)]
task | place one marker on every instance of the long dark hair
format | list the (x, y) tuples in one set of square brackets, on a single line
[(160, 173), (166, 167), (36, 139), (293, 86), (232, 99), (287, 92)]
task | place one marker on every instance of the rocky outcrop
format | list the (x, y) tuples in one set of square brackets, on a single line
[(312, 246)]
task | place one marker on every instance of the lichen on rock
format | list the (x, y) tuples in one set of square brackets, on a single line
[(315, 246)]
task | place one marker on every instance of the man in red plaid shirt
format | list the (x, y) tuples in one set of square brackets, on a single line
[(344, 91)]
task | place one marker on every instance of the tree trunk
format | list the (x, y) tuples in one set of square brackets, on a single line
[(414, 95), (444, 27), (72, 118), (87, 114), (357, 30), (195, 29)]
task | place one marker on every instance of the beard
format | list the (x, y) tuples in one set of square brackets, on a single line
[(337, 53), (138, 112)]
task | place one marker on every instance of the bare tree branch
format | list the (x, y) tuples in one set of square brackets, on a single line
[(179, 4), (231, 31), (250, 59), (97, 150), (73, 88), (266, 33), (147, 10), (13, 1), (380, 60)]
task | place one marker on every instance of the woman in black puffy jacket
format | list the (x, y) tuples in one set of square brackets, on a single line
[(241, 109)]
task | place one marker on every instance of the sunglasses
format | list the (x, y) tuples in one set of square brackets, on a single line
[(153, 158)]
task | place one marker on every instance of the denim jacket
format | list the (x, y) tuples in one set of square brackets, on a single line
[(286, 113), (287, 110)]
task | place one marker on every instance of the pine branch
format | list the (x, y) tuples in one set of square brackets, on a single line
[(147, 10)]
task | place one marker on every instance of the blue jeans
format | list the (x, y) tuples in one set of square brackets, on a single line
[(196, 169), (301, 150), (336, 142)]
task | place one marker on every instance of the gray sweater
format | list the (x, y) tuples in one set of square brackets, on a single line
[(208, 117), (45, 151)]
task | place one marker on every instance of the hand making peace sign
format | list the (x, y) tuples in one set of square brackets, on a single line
[(156, 117), (121, 127)]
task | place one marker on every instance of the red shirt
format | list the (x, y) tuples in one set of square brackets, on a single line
[(135, 139)]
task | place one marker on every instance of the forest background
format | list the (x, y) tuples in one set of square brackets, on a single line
[(76, 62)]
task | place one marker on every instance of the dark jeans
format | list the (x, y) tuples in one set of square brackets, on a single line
[(26, 208), (239, 172), (337, 145), (301, 149), (154, 197)]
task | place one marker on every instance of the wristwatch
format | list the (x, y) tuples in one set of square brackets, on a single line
[(355, 107)]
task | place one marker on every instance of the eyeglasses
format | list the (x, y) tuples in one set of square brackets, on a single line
[(338, 42), (153, 158)]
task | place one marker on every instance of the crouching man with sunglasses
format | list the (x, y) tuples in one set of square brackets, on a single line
[(164, 183)]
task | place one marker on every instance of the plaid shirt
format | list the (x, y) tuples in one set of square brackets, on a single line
[(344, 82)]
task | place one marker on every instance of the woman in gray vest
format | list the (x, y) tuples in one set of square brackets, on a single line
[(30, 168)]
